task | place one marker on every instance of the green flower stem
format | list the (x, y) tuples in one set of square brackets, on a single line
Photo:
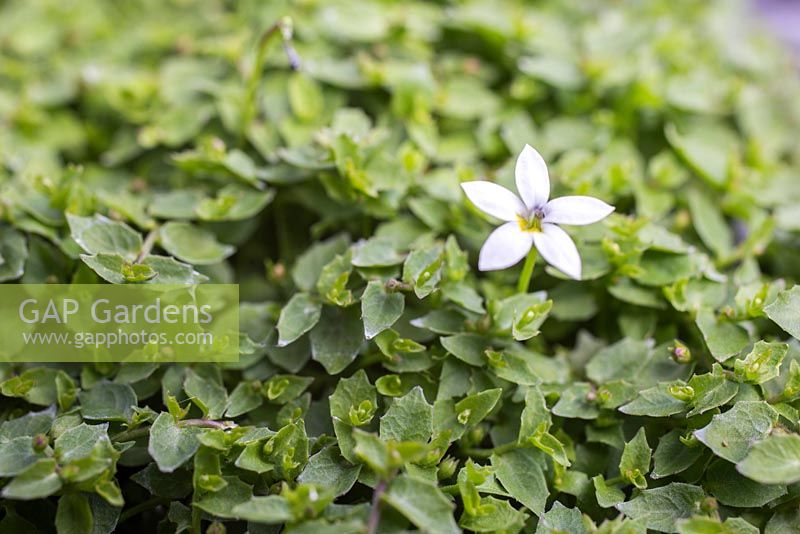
[(197, 520), (525, 276), (283, 28), (486, 453)]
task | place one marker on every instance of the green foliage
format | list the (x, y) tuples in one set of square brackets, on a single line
[(312, 152)]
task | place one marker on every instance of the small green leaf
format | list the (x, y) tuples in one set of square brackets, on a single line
[(233, 203), (333, 280), (100, 235), (423, 269), (107, 401), (774, 460), (673, 456), (607, 496), (206, 393), (74, 515), (328, 469), (287, 450), (706, 146), (732, 489), (469, 348), (38, 385), (153, 269), (576, 402), (297, 317), (784, 522), (785, 311), (527, 321), (710, 390), (762, 364), (337, 338), (245, 397), (309, 265), (354, 400), (559, 519), (535, 416), (521, 474), (464, 295), (375, 252), (709, 223), (661, 508), (29, 424), (724, 339), (281, 389), (422, 504), (38, 481), (192, 244), (409, 418), (383, 457), (711, 525), (271, 510), (77, 442), (176, 485), (731, 434), (224, 503), (623, 360), (505, 312), (379, 308), (472, 409), (14, 252), (252, 458), (16, 455), (171, 445), (525, 368), (498, 516), (635, 462)]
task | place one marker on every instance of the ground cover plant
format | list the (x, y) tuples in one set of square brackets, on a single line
[(314, 152)]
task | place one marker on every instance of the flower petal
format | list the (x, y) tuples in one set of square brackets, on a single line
[(558, 249), (504, 247), (494, 199), (577, 210), (533, 181)]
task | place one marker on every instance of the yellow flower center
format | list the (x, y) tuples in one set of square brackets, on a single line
[(531, 224)]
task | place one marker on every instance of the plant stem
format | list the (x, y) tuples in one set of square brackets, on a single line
[(131, 434), (452, 489), (486, 453), (375, 512), (197, 520), (147, 246), (135, 433), (524, 281), (283, 28), (141, 507), (207, 423), (393, 285), (282, 229)]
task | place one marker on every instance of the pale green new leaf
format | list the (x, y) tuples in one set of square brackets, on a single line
[(774, 460)]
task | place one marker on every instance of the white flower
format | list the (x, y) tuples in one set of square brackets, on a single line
[(531, 221)]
